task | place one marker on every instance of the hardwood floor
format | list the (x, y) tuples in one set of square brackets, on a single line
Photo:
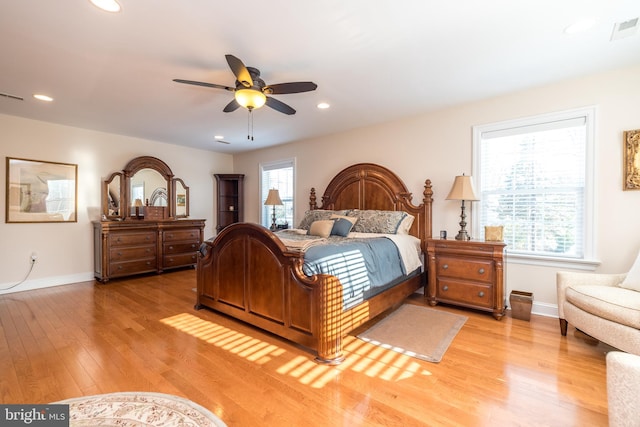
[(143, 334)]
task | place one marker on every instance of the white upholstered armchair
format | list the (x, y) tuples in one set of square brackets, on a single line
[(623, 389), (601, 306)]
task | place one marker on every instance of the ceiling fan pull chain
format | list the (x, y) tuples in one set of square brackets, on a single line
[(250, 126)]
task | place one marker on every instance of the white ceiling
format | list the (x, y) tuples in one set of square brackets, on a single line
[(373, 61)]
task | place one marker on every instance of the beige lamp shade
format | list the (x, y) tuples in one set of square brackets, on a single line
[(137, 203), (462, 189), (273, 198)]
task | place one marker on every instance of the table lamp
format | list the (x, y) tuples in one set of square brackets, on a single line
[(273, 199), (462, 190)]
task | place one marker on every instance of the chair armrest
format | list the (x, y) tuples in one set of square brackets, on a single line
[(564, 279), (623, 388)]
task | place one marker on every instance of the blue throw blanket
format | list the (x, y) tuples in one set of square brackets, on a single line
[(365, 267)]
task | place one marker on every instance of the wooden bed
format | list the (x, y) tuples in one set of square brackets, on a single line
[(246, 272)]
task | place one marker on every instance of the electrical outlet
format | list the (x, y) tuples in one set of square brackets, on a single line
[(34, 257)]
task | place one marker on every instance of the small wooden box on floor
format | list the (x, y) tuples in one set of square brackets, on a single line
[(466, 273)]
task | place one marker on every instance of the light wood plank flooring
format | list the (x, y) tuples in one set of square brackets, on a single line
[(143, 334)]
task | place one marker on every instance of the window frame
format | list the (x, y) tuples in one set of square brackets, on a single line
[(588, 260), (267, 166)]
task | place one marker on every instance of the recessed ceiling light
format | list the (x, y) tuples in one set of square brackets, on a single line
[(42, 97), (107, 5), (323, 105), (580, 26), (219, 137)]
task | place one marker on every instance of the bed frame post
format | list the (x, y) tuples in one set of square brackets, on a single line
[(329, 306)]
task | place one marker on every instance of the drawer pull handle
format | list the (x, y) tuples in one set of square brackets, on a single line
[(193, 246), (445, 288), (148, 263), (444, 267), (481, 271), (170, 248), (480, 294), (119, 253), (148, 238)]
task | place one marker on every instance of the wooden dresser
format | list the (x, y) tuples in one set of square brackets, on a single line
[(467, 273), (125, 248)]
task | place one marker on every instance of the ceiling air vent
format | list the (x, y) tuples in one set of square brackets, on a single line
[(625, 29), (16, 97)]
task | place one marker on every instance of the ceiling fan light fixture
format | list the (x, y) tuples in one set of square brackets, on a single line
[(250, 98), (107, 5)]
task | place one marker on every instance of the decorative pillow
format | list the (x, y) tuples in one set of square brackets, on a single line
[(316, 215), (341, 227), (374, 221), (321, 228), (405, 224), (632, 281)]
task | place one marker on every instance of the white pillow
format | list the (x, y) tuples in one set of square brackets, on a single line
[(632, 281)]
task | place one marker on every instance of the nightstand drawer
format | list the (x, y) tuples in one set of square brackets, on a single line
[(473, 294), (465, 268)]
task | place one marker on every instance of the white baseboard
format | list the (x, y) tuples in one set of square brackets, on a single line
[(47, 282)]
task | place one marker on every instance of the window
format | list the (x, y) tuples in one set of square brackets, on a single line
[(535, 177), (278, 175)]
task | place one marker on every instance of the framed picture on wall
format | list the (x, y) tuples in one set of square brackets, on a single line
[(41, 191), (631, 159)]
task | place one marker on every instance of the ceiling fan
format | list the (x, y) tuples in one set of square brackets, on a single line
[(251, 91)]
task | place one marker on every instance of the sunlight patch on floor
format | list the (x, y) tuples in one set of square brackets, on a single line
[(362, 357)]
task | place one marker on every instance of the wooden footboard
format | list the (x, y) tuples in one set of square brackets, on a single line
[(247, 273)]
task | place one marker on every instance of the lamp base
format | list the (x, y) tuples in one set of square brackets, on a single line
[(463, 235)]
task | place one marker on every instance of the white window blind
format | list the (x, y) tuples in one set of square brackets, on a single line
[(535, 178), (278, 175)]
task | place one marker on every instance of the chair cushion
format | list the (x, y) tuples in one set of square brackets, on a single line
[(616, 304)]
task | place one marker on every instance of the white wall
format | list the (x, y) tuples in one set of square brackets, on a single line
[(65, 250), (437, 145)]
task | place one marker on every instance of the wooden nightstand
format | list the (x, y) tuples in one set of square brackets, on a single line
[(466, 273)]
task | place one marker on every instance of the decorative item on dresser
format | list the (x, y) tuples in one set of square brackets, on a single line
[(273, 199), (230, 193), (467, 273), (128, 242)]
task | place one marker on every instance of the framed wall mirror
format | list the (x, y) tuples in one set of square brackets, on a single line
[(144, 182), (181, 192)]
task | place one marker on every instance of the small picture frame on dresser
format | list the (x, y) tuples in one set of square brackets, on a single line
[(493, 233)]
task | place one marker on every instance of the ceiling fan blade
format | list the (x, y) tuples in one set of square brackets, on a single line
[(239, 70), (222, 141), (213, 85), (280, 106), (295, 87), (232, 106)]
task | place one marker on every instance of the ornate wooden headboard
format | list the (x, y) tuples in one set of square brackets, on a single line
[(374, 187)]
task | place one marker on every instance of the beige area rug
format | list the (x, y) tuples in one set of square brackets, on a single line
[(130, 409), (416, 331)]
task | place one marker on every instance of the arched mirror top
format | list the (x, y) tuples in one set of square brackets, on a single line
[(148, 162)]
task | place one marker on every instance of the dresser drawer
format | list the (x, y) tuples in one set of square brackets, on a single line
[(132, 253), (177, 248), (126, 239), (465, 268), (180, 260), (132, 267), (473, 294), (178, 235)]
